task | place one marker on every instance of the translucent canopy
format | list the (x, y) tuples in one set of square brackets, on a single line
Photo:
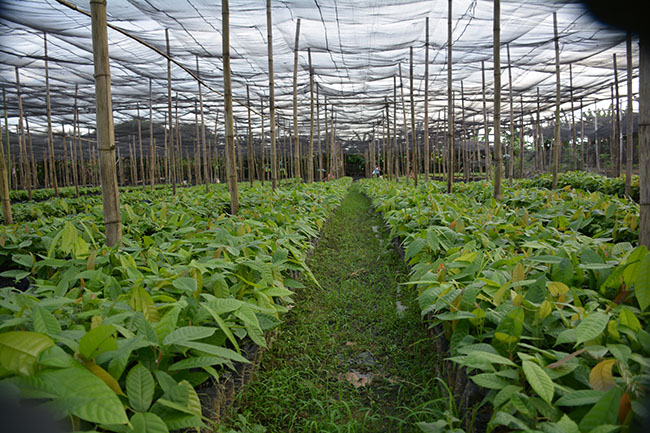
[(357, 48)]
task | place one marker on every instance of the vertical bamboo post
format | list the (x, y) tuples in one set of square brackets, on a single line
[(8, 161), (511, 152), (582, 136), (464, 143), (427, 150), (204, 152), (4, 184), (73, 141), (644, 140), (296, 139), (557, 142), (407, 162), (251, 159), (177, 155), (395, 145), (573, 120), (521, 138), (450, 103), (416, 165), (263, 141), (389, 150), (485, 125), (630, 119), (50, 133), (612, 138), (105, 132), (152, 147), (327, 146), (498, 158), (619, 132), (81, 165), (274, 159), (227, 87), (320, 150), (310, 157), (21, 140), (170, 121), (141, 156), (32, 160)]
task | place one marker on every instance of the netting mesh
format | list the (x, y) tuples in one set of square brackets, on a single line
[(356, 46)]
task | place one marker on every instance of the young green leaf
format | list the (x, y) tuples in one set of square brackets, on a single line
[(539, 380), (98, 340), (147, 423), (20, 349), (140, 387), (591, 327)]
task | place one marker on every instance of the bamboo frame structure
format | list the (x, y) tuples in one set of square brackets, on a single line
[(557, 141), (231, 169), (48, 105), (310, 157), (274, 159), (450, 104), (630, 119), (296, 138), (427, 150), (416, 165)]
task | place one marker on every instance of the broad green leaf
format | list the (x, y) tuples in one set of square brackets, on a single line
[(45, 322), (141, 301), (20, 349), (247, 315), (591, 327), (492, 357), (601, 377), (580, 397), (104, 376), (148, 423), (211, 349), (188, 333), (627, 318), (98, 340), (568, 425), (197, 362), (222, 325), (140, 387), (603, 411), (186, 284), (539, 380), (489, 380), (54, 356)]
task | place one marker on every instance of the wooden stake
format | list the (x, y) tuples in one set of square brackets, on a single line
[(498, 158), (231, 169), (50, 134), (630, 120), (274, 159), (557, 142), (104, 116)]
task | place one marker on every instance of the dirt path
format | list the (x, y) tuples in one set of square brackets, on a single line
[(352, 356)]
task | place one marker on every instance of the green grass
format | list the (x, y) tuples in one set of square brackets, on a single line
[(351, 325)]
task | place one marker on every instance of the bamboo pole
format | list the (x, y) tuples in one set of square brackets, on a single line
[(251, 159), (170, 122), (21, 140), (416, 165), (177, 155), (389, 150), (82, 168), (511, 151), (485, 126), (263, 141), (50, 134), (521, 138), (152, 147), (617, 138), (204, 151), (557, 142), (498, 158), (141, 157), (274, 160), (573, 121), (596, 143), (105, 132), (296, 139), (33, 163), (310, 156), (407, 162), (66, 159), (612, 138), (328, 158), (4, 184), (644, 140), (465, 151), (197, 148), (630, 119), (427, 150), (450, 103), (320, 150), (582, 136), (8, 161), (396, 147), (73, 142), (227, 87)]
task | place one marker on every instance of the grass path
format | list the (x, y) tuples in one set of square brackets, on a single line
[(353, 355)]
